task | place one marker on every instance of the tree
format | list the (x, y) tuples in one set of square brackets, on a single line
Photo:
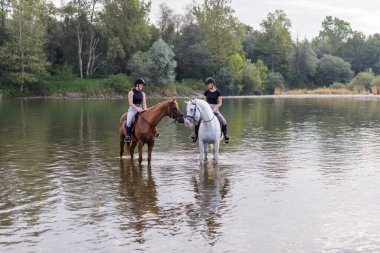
[(332, 69), (335, 32), (168, 23), (276, 40), (156, 65), (220, 30), (162, 57), (354, 52), (22, 55), (364, 79), (302, 63), (127, 20), (192, 54), (4, 9), (254, 77), (275, 80)]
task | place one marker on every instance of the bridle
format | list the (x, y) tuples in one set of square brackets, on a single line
[(172, 110), (192, 117)]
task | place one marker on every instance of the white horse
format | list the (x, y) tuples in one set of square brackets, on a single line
[(198, 110)]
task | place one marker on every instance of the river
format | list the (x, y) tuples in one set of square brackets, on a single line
[(301, 174)]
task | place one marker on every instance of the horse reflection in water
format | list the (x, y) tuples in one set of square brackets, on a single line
[(199, 111), (146, 127), (210, 191), (138, 197)]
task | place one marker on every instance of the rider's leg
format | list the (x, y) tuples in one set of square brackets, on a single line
[(194, 136), (223, 122), (128, 124), (226, 136), (127, 138)]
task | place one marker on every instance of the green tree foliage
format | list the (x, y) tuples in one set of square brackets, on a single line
[(225, 81), (354, 52), (332, 69), (372, 52), (236, 64), (302, 63), (254, 77), (156, 65), (127, 22), (335, 32), (22, 56), (220, 30), (139, 65), (364, 78), (4, 9), (115, 55), (162, 57), (276, 41), (192, 55), (169, 24), (376, 81), (275, 80)]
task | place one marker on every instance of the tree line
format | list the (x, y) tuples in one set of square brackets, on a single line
[(89, 39)]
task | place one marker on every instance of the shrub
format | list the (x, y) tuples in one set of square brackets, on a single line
[(363, 79), (338, 86)]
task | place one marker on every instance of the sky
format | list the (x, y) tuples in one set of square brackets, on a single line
[(306, 16)]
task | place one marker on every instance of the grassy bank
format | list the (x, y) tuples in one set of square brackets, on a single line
[(108, 87)]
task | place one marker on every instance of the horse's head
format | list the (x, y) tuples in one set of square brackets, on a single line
[(193, 114), (174, 111)]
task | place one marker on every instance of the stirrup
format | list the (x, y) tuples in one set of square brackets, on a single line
[(127, 139), (226, 138), (157, 135)]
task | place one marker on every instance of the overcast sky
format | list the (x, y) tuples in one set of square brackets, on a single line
[(306, 15)]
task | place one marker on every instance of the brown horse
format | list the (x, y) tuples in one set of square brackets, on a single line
[(145, 127)]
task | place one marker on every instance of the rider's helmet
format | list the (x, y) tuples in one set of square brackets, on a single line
[(209, 80), (139, 81)]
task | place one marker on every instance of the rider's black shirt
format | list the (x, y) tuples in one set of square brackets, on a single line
[(137, 97), (212, 97)]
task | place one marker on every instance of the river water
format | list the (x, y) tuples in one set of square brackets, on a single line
[(300, 175)]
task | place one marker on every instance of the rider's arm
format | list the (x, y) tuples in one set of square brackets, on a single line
[(144, 101), (219, 104)]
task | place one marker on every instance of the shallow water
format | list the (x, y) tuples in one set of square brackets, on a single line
[(301, 175)]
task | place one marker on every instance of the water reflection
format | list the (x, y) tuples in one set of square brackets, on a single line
[(138, 197), (210, 191)]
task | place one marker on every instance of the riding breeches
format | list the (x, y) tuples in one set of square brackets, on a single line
[(131, 114), (220, 117)]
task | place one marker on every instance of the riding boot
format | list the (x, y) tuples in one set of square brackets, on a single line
[(127, 138), (194, 136), (226, 136)]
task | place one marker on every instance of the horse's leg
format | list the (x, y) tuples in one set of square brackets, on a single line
[(132, 146), (216, 151), (150, 148), (121, 146), (140, 147), (202, 151)]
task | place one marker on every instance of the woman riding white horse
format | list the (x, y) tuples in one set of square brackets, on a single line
[(200, 112)]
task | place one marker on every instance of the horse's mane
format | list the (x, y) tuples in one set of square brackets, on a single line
[(203, 102), (158, 104)]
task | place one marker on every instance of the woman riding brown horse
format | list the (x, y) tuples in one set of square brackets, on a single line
[(145, 127)]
